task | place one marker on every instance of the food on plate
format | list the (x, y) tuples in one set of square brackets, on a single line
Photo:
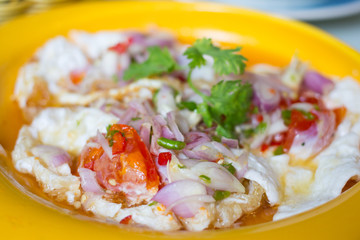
[(140, 129)]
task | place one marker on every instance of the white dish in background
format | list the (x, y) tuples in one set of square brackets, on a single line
[(308, 10)]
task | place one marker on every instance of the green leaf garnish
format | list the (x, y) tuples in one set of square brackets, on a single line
[(248, 133), (205, 179), (260, 129), (159, 61), (226, 61), (135, 118), (181, 166), (229, 101), (286, 116), (279, 150), (229, 167), (153, 203), (188, 105), (307, 115), (220, 195)]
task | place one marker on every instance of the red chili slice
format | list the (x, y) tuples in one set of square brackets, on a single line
[(164, 158)]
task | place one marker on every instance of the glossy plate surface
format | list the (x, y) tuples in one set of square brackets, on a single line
[(264, 39)]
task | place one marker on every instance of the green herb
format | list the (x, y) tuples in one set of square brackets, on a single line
[(303, 144), (159, 61), (216, 138), (286, 116), (260, 129), (255, 110), (220, 195), (205, 179), (226, 61), (153, 203), (229, 167), (307, 115), (248, 133), (181, 166), (78, 123), (279, 150), (316, 107), (188, 105), (110, 135), (171, 144), (135, 118), (229, 101), (155, 96)]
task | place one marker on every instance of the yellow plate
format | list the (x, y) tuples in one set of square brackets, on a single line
[(264, 39)]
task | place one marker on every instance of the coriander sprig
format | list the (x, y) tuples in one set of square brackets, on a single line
[(229, 102)]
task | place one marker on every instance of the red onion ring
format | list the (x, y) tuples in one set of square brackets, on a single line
[(178, 190), (104, 144), (231, 143), (266, 97), (55, 155), (316, 82), (88, 181), (173, 127)]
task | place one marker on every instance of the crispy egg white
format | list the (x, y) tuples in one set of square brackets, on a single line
[(68, 129)]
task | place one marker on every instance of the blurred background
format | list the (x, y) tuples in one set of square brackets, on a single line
[(340, 18)]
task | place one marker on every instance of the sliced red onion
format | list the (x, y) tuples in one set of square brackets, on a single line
[(51, 154), (2, 151), (266, 97), (178, 190), (242, 160), (167, 133), (194, 199), (140, 108), (93, 145), (154, 147), (318, 83), (195, 139), (126, 117), (156, 127), (310, 142), (148, 108), (173, 127), (160, 119), (145, 133), (304, 106), (197, 142), (104, 144), (136, 124), (222, 149), (200, 154), (220, 177), (88, 181), (192, 136), (115, 111), (231, 143)]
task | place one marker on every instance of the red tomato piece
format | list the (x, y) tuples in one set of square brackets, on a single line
[(131, 169), (164, 158), (298, 123), (76, 77), (126, 220)]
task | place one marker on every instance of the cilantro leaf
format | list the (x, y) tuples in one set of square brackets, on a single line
[(228, 106), (229, 102), (159, 61), (225, 60)]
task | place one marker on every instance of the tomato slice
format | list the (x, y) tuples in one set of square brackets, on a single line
[(131, 169), (298, 123)]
